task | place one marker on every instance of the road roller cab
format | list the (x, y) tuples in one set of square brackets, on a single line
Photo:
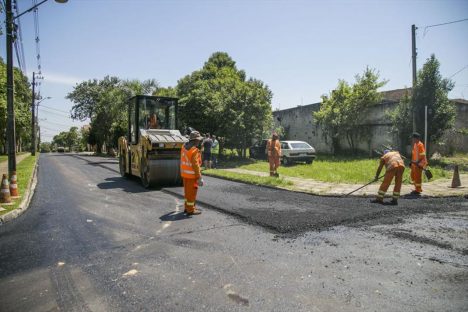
[(151, 148)]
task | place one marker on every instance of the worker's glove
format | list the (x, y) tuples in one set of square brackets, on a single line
[(201, 182)]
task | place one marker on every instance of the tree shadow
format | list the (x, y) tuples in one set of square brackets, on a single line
[(174, 216)]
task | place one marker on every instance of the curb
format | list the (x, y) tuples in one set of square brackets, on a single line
[(28, 194)]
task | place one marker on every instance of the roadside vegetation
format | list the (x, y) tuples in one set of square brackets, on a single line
[(335, 169), (24, 172)]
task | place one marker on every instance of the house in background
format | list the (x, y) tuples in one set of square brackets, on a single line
[(299, 124)]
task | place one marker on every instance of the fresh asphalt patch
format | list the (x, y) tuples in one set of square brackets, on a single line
[(287, 212)]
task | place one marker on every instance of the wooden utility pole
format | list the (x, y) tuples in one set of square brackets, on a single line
[(413, 41), (33, 117), (11, 135)]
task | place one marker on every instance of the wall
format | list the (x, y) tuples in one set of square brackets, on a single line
[(299, 125)]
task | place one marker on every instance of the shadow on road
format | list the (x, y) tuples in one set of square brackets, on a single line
[(130, 185), (174, 216)]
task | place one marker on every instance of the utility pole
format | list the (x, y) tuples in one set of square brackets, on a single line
[(413, 41), (33, 117), (11, 137)]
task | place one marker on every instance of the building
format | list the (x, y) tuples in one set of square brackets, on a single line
[(299, 124)]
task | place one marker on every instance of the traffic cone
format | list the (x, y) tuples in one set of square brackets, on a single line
[(14, 192), (5, 196), (456, 178)]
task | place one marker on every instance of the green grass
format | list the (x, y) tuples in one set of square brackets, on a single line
[(460, 159), (24, 171), (247, 178), (332, 169)]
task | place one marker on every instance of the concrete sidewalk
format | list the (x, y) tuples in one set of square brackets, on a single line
[(4, 164), (438, 188)]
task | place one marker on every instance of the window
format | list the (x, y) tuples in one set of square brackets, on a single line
[(284, 145), (300, 145), (156, 114)]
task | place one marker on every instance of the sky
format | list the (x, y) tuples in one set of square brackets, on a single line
[(299, 48)]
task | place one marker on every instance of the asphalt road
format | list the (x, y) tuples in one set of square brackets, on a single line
[(93, 241)]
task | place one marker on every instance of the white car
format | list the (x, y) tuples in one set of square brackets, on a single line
[(297, 151)]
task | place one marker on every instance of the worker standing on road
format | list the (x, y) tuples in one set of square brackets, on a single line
[(207, 145), (214, 151), (273, 150), (395, 167), (418, 163), (190, 161)]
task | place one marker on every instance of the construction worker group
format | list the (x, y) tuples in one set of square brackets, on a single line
[(395, 166)]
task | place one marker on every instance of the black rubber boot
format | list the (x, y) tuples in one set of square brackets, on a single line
[(377, 201)]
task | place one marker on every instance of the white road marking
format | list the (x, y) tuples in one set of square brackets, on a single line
[(130, 273)]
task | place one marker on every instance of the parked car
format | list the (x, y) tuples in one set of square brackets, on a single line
[(257, 150), (61, 149), (297, 151)]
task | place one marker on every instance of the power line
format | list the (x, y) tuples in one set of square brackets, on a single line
[(56, 113), (55, 109), (55, 123), (466, 66)]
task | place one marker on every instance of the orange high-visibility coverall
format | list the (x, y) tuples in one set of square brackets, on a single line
[(190, 161), (395, 167), (418, 163), (274, 153)]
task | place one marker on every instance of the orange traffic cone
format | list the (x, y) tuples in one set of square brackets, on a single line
[(14, 192), (5, 196), (456, 178)]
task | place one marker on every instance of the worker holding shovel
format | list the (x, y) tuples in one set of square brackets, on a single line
[(394, 168)]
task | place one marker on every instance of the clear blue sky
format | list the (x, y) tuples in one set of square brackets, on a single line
[(298, 48)]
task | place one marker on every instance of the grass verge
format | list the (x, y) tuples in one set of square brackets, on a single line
[(247, 178), (334, 169), (24, 172)]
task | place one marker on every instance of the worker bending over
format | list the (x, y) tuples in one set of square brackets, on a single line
[(418, 163), (273, 150), (190, 161), (394, 168)]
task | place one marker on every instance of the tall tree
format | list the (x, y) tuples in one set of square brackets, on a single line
[(343, 112), (219, 99), (432, 90)]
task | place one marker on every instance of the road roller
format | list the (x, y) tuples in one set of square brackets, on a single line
[(151, 148)]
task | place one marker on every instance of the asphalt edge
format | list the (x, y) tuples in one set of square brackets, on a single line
[(24, 205), (323, 195), (241, 217)]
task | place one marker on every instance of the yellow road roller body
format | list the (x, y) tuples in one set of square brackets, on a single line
[(151, 148)]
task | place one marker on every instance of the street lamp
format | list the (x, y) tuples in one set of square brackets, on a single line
[(34, 122), (11, 136)]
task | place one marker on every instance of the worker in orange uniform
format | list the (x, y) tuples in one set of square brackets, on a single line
[(273, 150), (395, 167), (190, 161), (418, 163)]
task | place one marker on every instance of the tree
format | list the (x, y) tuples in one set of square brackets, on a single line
[(105, 103), (432, 90), (343, 112), (401, 118), (219, 99), (22, 102), (72, 138)]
